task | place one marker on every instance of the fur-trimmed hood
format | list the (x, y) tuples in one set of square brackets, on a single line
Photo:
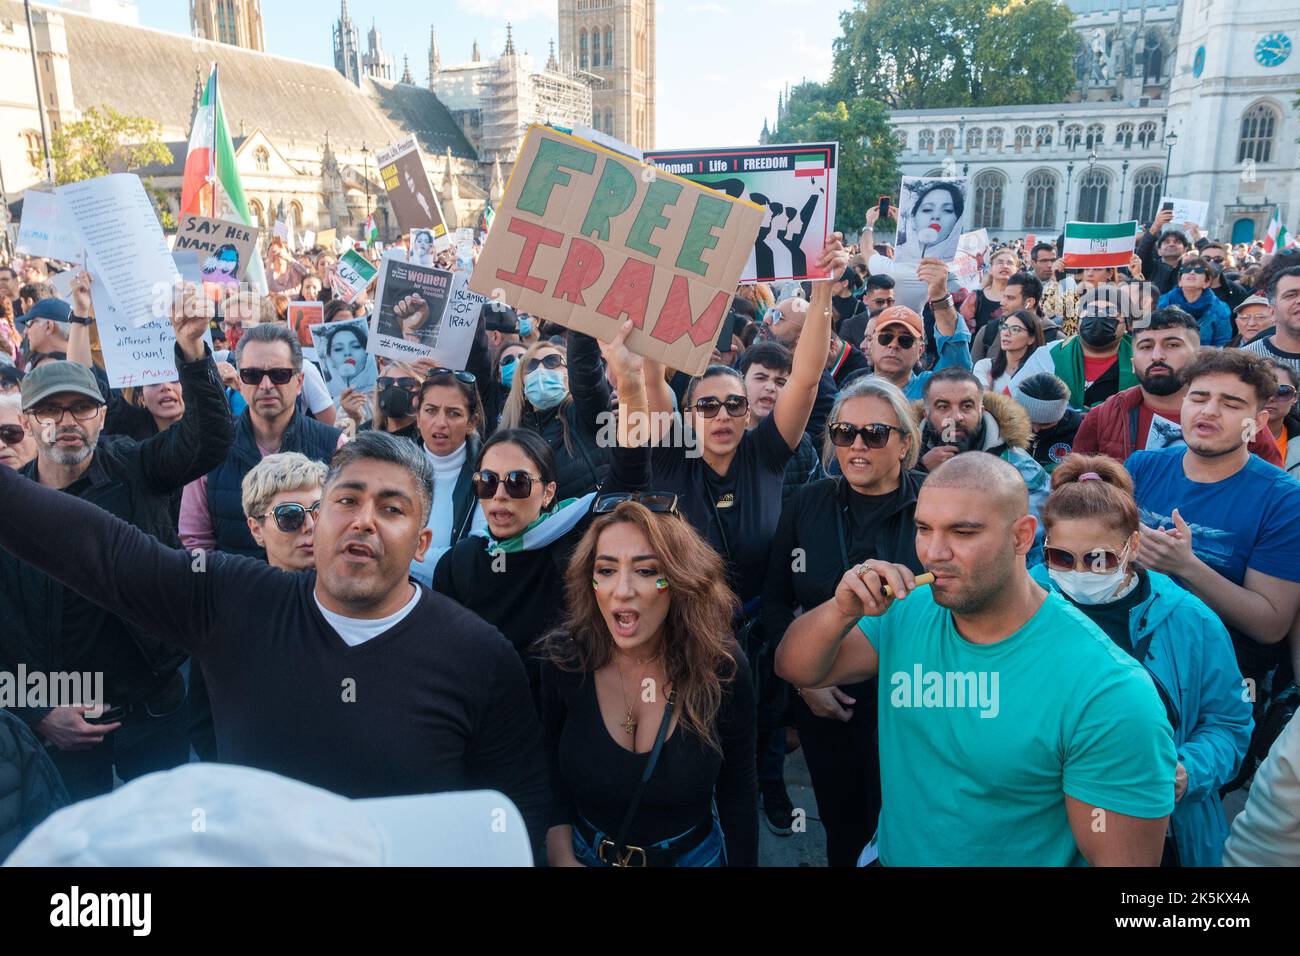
[(1006, 423)]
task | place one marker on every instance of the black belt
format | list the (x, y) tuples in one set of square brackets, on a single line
[(637, 856)]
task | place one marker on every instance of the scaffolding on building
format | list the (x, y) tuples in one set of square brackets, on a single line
[(515, 98)]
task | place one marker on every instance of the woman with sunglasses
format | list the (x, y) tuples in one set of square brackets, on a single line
[(561, 394), (391, 407), (1193, 296), (510, 569), (1283, 422), (1019, 335), (1092, 535), (647, 706), (17, 444), (865, 512), (281, 497)]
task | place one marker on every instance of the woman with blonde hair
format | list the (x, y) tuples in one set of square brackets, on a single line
[(647, 706), (985, 305)]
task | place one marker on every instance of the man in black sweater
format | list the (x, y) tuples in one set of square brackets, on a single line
[(351, 677)]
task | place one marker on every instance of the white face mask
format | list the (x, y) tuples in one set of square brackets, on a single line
[(1087, 587)]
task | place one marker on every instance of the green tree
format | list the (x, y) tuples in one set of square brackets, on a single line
[(868, 158), (105, 141), (931, 54)]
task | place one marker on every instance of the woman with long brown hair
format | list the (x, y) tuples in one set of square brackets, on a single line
[(647, 703)]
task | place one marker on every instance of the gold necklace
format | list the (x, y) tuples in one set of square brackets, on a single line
[(629, 722)]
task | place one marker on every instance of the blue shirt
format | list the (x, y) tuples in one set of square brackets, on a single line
[(1251, 520), (954, 350)]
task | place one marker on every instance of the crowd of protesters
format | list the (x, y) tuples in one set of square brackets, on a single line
[(466, 579)]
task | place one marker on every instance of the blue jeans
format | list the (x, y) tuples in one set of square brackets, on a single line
[(711, 852)]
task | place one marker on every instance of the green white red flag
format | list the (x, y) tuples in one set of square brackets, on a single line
[(1092, 245), (1277, 237)]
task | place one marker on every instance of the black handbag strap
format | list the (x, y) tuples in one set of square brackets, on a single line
[(620, 842)]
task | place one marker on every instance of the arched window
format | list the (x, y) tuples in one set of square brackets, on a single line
[(1094, 191), (925, 141), (1024, 138), (900, 137), (974, 138), (1146, 194), (1073, 136), (995, 138), (1146, 135), (947, 139), (609, 46), (1043, 137), (595, 48), (582, 49), (609, 122), (35, 154), (1040, 200), (255, 210), (262, 159), (989, 186), (1153, 59), (1124, 135), (1096, 136), (1258, 124), (295, 210)]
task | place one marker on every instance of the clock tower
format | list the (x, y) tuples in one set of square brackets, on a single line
[(1234, 79)]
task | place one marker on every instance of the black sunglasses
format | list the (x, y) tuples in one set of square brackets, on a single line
[(254, 376), (509, 360), (1193, 270), (875, 435), (291, 516), (460, 375), (519, 484), (708, 407), (548, 361), (404, 382), (905, 341), (11, 434), (1284, 392), (658, 502)]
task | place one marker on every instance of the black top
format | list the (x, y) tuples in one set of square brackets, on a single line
[(438, 702), (736, 512), (1113, 617), (593, 775), (986, 310)]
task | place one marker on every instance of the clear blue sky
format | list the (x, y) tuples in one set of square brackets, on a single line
[(720, 62)]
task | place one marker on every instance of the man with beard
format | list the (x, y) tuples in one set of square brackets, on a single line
[(1147, 415), (350, 677), (1218, 519), (50, 626), (1097, 362), (1011, 724)]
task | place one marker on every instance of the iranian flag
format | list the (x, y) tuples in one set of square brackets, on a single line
[(1091, 245), (810, 164), (372, 231), (1276, 238), (212, 186)]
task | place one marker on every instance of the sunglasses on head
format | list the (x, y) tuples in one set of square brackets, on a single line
[(459, 374), (404, 382), (1098, 560), (905, 339), (551, 361), (662, 503), (291, 516), (254, 376), (518, 484), (708, 407), (875, 435), (11, 434)]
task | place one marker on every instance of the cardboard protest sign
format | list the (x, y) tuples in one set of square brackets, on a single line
[(1195, 211), (409, 191), (302, 316), (342, 356), (325, 238), (589, 239), (225, 248), (930, 215), (795, 185), (47, 229), (352, 275), (410, 303)]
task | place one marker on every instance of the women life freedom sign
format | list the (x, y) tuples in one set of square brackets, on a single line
[(588, 238)]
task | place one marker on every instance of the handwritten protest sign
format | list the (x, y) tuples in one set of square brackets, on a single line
[(225, 248), (409, 192), (795, 185), (1195, 211), (47, 230), (133, 355), (410, 303), (352, 274), (589, 239)]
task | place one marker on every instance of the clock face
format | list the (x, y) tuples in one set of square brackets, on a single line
[(1198, 62), (1273, 49)]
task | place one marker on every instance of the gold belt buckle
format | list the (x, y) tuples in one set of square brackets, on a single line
[(621, 860)]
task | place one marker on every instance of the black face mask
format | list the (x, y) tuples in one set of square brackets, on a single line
[(395, 402), (1098, 331)]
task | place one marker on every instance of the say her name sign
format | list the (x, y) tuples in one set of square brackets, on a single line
[(589, 238)]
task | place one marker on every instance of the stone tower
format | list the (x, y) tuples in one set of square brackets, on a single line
[(615, 41), (236, 22), (347, 47)]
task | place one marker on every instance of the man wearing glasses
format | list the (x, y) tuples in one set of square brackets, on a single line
[(48, 626), (270, 376)]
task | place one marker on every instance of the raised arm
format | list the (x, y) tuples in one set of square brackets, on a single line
[(587, 382), (795, 403)]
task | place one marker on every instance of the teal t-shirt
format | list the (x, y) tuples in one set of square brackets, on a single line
[(980, 743)]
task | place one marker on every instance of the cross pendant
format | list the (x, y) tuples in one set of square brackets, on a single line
[(630, 723)]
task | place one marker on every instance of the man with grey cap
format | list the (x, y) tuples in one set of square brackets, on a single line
[(1054, 423), (49, 626), (1252, 317)]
